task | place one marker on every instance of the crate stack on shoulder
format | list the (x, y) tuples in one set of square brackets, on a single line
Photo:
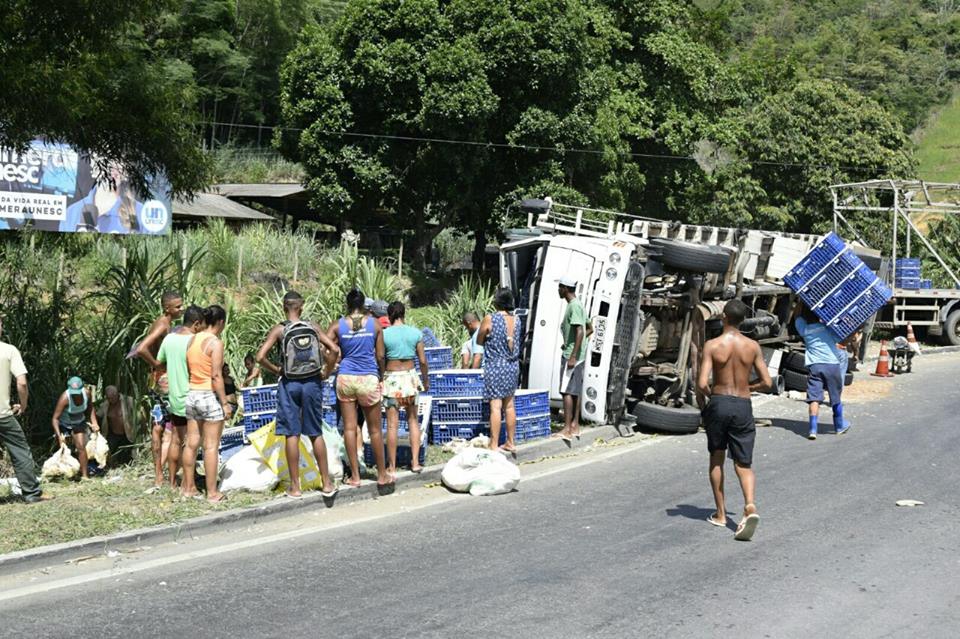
[(836, 284), (460, 412), (907, 273)]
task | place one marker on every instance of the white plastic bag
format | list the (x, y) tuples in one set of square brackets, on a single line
[(246, 470), (98, 448), (333, 440), (61, 464), (480, 472)]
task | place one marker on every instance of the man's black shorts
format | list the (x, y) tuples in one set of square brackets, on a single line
[(729, 424)]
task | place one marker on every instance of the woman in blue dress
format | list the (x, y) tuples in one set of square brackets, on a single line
[(500, 337)]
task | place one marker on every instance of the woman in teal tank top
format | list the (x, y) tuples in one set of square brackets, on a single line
[(74, 410), (402, 384)]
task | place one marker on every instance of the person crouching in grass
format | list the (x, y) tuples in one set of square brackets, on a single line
[(73, 411)]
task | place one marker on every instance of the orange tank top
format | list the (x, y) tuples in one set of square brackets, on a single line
[(199, 363)]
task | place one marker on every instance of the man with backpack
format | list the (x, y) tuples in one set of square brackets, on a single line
[(303, 365)]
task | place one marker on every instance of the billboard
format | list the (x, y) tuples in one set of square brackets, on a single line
[(51, 187)]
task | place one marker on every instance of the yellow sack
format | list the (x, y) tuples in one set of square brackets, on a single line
[(271, 448), (61, 464), (98, 448)]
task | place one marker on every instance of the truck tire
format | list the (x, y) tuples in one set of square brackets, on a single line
[(794, 361), (794, 381), (951, 328), (683, 421), (692, 257)]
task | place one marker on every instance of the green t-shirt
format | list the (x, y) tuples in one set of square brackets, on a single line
[(400, 342), (573, 317), (173, 352)]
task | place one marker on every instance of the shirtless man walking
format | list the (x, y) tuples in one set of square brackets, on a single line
[(147, 350), (728, 417)]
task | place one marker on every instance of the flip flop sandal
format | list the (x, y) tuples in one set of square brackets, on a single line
[(289, 496), (416, 471), (747, 527), (329, 495), (716, 523)]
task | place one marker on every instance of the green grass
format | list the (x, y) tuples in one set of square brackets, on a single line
[(938, 152)]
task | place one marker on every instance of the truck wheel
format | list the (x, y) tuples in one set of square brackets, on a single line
[(684, 420), (794, 381), (794, 361), (951, 329), (692, 257)]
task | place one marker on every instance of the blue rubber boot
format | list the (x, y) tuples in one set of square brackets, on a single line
[(839, 423), (813, 427)]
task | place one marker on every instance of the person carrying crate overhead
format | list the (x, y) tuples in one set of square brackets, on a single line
[(307, 356), (827, 366)]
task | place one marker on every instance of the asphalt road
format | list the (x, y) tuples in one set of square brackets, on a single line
[(613, 548)]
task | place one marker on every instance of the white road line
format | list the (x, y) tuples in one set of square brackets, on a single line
[(151, 564)]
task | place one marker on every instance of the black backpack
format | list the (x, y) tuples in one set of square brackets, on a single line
[(300, 350)]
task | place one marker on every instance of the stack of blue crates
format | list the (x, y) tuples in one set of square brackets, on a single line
[(838, 286), (260, 405), (459, 410), (907, 273)]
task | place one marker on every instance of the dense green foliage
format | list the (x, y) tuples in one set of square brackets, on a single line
[(455, 109)]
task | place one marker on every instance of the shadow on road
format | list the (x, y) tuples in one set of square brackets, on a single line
[(802, 427), (698, 514)]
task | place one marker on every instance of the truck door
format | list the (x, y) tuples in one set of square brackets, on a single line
[(544, 369)]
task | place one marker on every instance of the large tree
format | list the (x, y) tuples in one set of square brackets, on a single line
[(464, 102), (86, 72)]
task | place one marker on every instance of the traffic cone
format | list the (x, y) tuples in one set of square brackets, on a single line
[(912, 340), (883, 363)]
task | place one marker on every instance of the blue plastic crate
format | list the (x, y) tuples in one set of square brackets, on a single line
[(404, 455), (444, 432), (253, 421), (456, 383), (907, 282), (258, 399), (231, 437), (530, 403), (329, 391), (438, 358), (926, 283), (908, 262), (860, 310), (815, 261), (330, 416), (830, 305), (461, 409), (528, 429)]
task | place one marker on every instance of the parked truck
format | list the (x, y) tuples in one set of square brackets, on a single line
[(654, 292)]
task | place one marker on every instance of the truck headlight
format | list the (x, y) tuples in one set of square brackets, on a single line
[(592, 392), (590, 407), (614, 258), (611, 273)]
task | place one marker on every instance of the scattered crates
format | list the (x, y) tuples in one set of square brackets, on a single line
[(837, 286), (254, 421), (461, 409), (908, 262), (330, 416), (329, 391), (231, 437), (528, 403), (259, 399), (453, 383), (926, 284)]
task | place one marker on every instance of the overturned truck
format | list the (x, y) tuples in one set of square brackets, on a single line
[(654, 292)]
